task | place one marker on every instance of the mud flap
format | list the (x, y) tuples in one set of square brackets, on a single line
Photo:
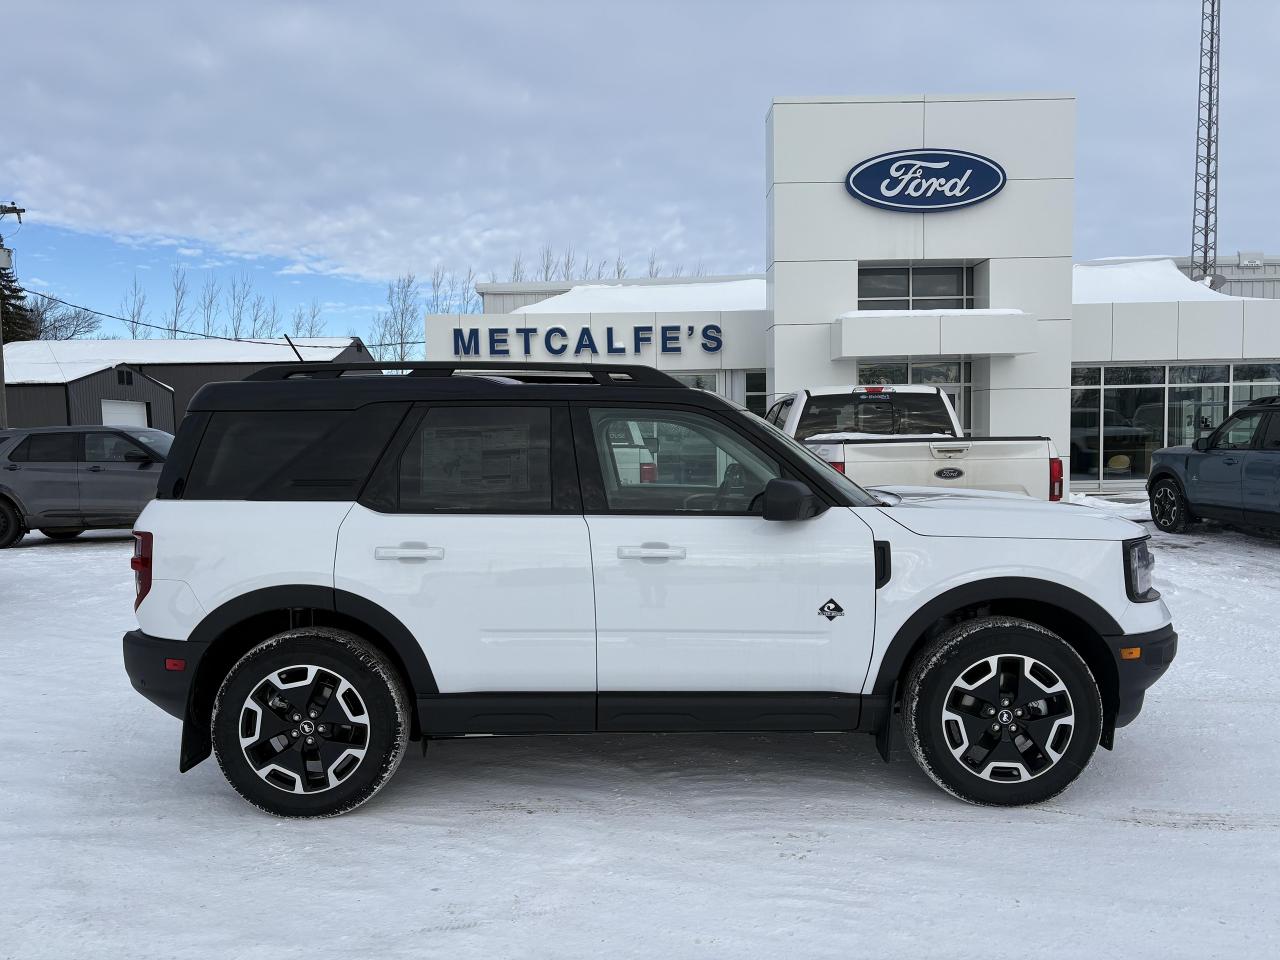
[(889, 740)]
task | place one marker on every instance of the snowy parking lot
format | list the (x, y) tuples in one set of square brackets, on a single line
[(639, 846)]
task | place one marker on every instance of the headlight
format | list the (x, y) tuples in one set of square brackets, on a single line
[(1138, 564)]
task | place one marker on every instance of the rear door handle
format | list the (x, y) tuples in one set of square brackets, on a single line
[(651, 551), (1230, 461), (95, 469), (11, 466), (408, 553)]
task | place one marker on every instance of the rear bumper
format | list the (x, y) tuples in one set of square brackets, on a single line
[(1158, 648), (162, 670)]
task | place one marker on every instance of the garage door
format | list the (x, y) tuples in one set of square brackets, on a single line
[(124, 413)]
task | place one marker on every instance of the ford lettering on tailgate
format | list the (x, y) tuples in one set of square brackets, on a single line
[(925, 180)]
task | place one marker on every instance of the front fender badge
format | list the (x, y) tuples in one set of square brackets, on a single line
[(831, 610)]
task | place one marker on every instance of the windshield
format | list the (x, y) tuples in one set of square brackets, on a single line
[(880, 414), (157, 441)]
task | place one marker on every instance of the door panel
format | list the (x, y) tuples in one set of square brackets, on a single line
[(111, 487), (1216, 474), (44, 470), (1261, 480), (735, 604)]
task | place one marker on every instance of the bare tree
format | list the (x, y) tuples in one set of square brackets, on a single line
[(655, 268), (699, 269), (619, 266), (237, 300), (133, 307), (601, 266), (437, 301), (396, 333), (677, 271), (207, 304), (468, 299), (176, 319), (258, 316), (55, 321), (547, 262), (517, 269), (306, 321), (567, 262), (587, 267)]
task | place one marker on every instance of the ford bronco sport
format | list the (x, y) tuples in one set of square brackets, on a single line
[(337, 564)]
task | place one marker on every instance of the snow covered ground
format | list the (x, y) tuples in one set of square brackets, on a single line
[(642, 846)]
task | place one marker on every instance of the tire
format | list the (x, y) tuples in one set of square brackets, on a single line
[(1169, 508), (62, 533), (11, 530), (952, 701), (360, 729)]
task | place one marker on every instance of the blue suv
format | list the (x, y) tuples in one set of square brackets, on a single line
[(1231, 475)]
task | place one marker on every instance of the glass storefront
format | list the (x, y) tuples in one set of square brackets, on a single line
[(1122, 413)]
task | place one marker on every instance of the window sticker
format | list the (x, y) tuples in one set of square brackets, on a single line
[(490, 458)]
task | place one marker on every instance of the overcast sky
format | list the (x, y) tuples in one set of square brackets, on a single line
[(327, 147)]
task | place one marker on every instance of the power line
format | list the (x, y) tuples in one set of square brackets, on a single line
[(197, 333)]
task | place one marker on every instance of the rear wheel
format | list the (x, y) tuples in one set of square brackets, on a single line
[(311, 723), (62, 533), (1169, 508), (1002, 711), (10, 526)]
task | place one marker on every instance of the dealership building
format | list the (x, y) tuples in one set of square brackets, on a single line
[(922, 239)]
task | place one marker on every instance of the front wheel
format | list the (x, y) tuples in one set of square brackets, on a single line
[(310, 723), (1002, 711), (1169, 508)]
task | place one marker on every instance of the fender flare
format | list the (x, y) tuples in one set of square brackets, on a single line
[(404, 647), (1071, 602), (8, 493)]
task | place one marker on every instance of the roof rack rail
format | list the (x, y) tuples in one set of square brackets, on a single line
[(604, 374), (1265, 401)]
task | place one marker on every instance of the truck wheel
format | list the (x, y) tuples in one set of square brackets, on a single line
[(310, 723), (10, 526), (1001, 711), (1169, 508), (61, 533)]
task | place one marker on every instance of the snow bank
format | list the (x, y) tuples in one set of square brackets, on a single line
[(726, 295), (1138, 510), (1154, 280)]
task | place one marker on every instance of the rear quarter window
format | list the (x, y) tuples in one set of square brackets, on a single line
[(290, 454)]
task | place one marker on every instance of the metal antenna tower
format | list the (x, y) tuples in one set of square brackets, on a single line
[(1204, 221)]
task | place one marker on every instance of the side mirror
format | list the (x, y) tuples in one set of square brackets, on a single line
[(790, 500), (1201, 443)]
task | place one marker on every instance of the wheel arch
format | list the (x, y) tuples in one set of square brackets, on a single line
[(1079, 620), (231, 630)]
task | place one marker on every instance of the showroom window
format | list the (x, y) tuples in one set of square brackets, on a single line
[(1122, 413), (915, 288), (953, 374)]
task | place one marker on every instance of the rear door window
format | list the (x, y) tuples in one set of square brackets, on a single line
[(290, 454), (48, 448)]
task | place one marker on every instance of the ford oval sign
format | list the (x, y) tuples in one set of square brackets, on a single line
[(949, 473), (925, 180)]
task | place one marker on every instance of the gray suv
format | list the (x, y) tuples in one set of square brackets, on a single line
[(65, 480)]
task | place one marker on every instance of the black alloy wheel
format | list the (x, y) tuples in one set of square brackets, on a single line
[(1169, 508), (10, 526)]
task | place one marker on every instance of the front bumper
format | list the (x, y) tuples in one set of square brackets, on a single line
[(1158, 648), (162, 670)]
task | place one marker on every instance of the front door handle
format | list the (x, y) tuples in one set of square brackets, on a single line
[(1230, 461), (409, 553), (651, 551), (95, 469), (11, 466)]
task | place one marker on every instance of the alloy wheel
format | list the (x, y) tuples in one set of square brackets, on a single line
[(1164, 506), (1008, 718), (304, 729)]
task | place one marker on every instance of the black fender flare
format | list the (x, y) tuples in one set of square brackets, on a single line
[(393, 635), (994, 590), (8, 493)]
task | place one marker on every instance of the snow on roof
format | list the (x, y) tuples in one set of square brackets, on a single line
[(62, 361), (726, 295), (1136, 280)]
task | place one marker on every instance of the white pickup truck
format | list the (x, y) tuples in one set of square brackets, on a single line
[(910, 436)]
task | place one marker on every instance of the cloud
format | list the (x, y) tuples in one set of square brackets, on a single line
[(188, 251), (462, 135)]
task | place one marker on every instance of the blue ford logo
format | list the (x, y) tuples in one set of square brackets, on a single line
[(925, 180)]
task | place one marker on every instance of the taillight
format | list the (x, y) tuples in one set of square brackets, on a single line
[(648, 473), (1055, 478), (839, 466), (141, 565)]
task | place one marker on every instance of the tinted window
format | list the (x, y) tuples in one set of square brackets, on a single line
[(1271, 435), (108, 448), (157, 441), (695, 465), (1237, 433), (875, 413), (48, 448), (290, 454), (479, 460)]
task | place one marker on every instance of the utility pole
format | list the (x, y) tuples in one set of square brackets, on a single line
[(1204, 220), (6, 263)]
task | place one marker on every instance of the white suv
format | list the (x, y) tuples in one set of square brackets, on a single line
[(336, 565)]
